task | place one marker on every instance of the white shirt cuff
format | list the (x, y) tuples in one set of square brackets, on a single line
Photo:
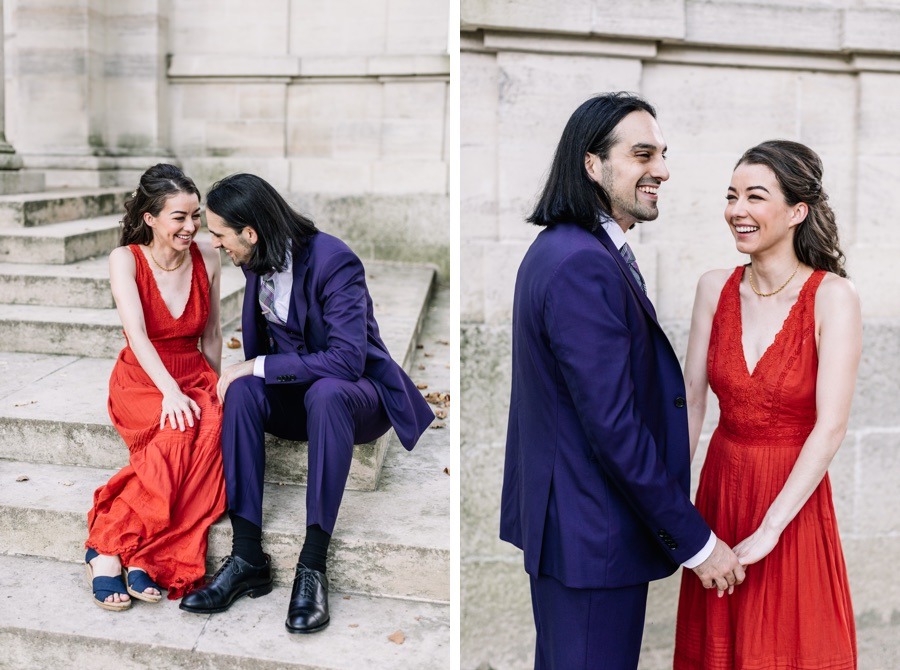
[(259, 367), (701, 555)]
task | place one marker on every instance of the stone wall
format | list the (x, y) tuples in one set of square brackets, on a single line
[(342, 106), (724, 75)]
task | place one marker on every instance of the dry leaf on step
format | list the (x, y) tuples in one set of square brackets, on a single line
[(421, 387), (446, 472), (397, 637), (22, 478), (233, 343)]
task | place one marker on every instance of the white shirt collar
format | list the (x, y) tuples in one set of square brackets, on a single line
[(614, 230)]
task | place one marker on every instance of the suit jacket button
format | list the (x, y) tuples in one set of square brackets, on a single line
[(679, 402)]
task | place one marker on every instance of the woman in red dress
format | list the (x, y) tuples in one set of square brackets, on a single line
[(152, 517), (779, 342)]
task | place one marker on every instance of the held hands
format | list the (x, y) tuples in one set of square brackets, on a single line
[(757, 546), (231, 373), (179, 409), (722, 570)]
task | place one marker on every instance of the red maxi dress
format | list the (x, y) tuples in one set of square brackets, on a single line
[(793, 611), (156, 511)]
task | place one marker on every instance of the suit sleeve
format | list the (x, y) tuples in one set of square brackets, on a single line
[(343, 296), (585, 312)]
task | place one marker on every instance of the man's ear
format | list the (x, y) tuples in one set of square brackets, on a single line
[(249, 232), (593, 165)]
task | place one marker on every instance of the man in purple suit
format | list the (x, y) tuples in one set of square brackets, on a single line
[(316, 369), (597, 474)]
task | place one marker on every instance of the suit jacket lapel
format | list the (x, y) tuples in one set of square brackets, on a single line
[(250, 314), (607, 242), (299, 306)]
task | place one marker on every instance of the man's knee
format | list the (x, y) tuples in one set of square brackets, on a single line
[(326, 394), (244, 393)]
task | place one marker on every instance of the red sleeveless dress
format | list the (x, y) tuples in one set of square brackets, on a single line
[(156, 511), (793, 611)]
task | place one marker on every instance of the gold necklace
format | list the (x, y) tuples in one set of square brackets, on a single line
[(163, 267), (777, 290)]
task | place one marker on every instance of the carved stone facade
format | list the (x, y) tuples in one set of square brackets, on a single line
[(342, 106), (723, 75)]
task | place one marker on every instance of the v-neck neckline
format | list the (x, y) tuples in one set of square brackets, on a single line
[(159, 292), (778, 336)]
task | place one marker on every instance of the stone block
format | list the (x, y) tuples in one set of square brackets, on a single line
[(875, 224), (879, 105), (497, 626), (323, 175), (478, 145), (827, 114), (878, 497), (245, 138), (876, 600), (760, 25), (871, 29), (261, 102), (844, 485), (871, 266), (205, 171), (481, 484), (414, 119), (527, 15), (409, 228), (680, 266), (485, 355), (471, 273), (404, 176), (500, 277), (537, 95), (416, 26), (207, 101), (231, 27), (878, 381), (335, 120), (354, 27), (643, 18), (705, 120)]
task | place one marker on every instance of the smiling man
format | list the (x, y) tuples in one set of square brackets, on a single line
[(316, 369), (597, 472)]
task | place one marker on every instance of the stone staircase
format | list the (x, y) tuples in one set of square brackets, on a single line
[(59, 334)]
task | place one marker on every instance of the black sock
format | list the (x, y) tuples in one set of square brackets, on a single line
[(247, 540), (315, 548)]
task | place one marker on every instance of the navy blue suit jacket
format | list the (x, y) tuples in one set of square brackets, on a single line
[(332, 322), (597, 474)]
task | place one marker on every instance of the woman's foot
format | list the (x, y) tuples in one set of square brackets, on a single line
[(141, 586), (105, 575)]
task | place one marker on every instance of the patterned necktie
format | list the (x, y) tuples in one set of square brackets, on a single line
[(628, 255), (267, 297)]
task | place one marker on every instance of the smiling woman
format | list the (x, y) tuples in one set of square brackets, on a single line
[(779, 342), (152, 517)]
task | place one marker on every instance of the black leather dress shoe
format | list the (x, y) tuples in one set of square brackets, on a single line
[(235, 579), (308, 611)]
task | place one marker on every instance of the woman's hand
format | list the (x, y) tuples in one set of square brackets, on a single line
[(757, 546), (179, 409)]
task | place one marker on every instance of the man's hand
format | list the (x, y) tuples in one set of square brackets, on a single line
[(231, 373), (721, 570)]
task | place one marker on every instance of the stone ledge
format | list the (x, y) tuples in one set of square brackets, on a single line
[(289, 67)]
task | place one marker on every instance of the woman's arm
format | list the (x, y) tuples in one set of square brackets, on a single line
[(211, 339), (840, 348), (696, 383), (176, 407)]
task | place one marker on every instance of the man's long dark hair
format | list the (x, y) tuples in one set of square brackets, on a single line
[(570, 195), (247, 200)]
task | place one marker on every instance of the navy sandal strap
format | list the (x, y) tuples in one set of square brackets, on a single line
[(107, 586), (140, 581)]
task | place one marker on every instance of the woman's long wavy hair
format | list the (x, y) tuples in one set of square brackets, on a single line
[(157, 185), (798, 170)]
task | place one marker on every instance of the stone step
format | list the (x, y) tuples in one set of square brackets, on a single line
[(54, 625), (391, 542), (85, 284), (82, 331), (47, 207), (53, 407), (59, 243)]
